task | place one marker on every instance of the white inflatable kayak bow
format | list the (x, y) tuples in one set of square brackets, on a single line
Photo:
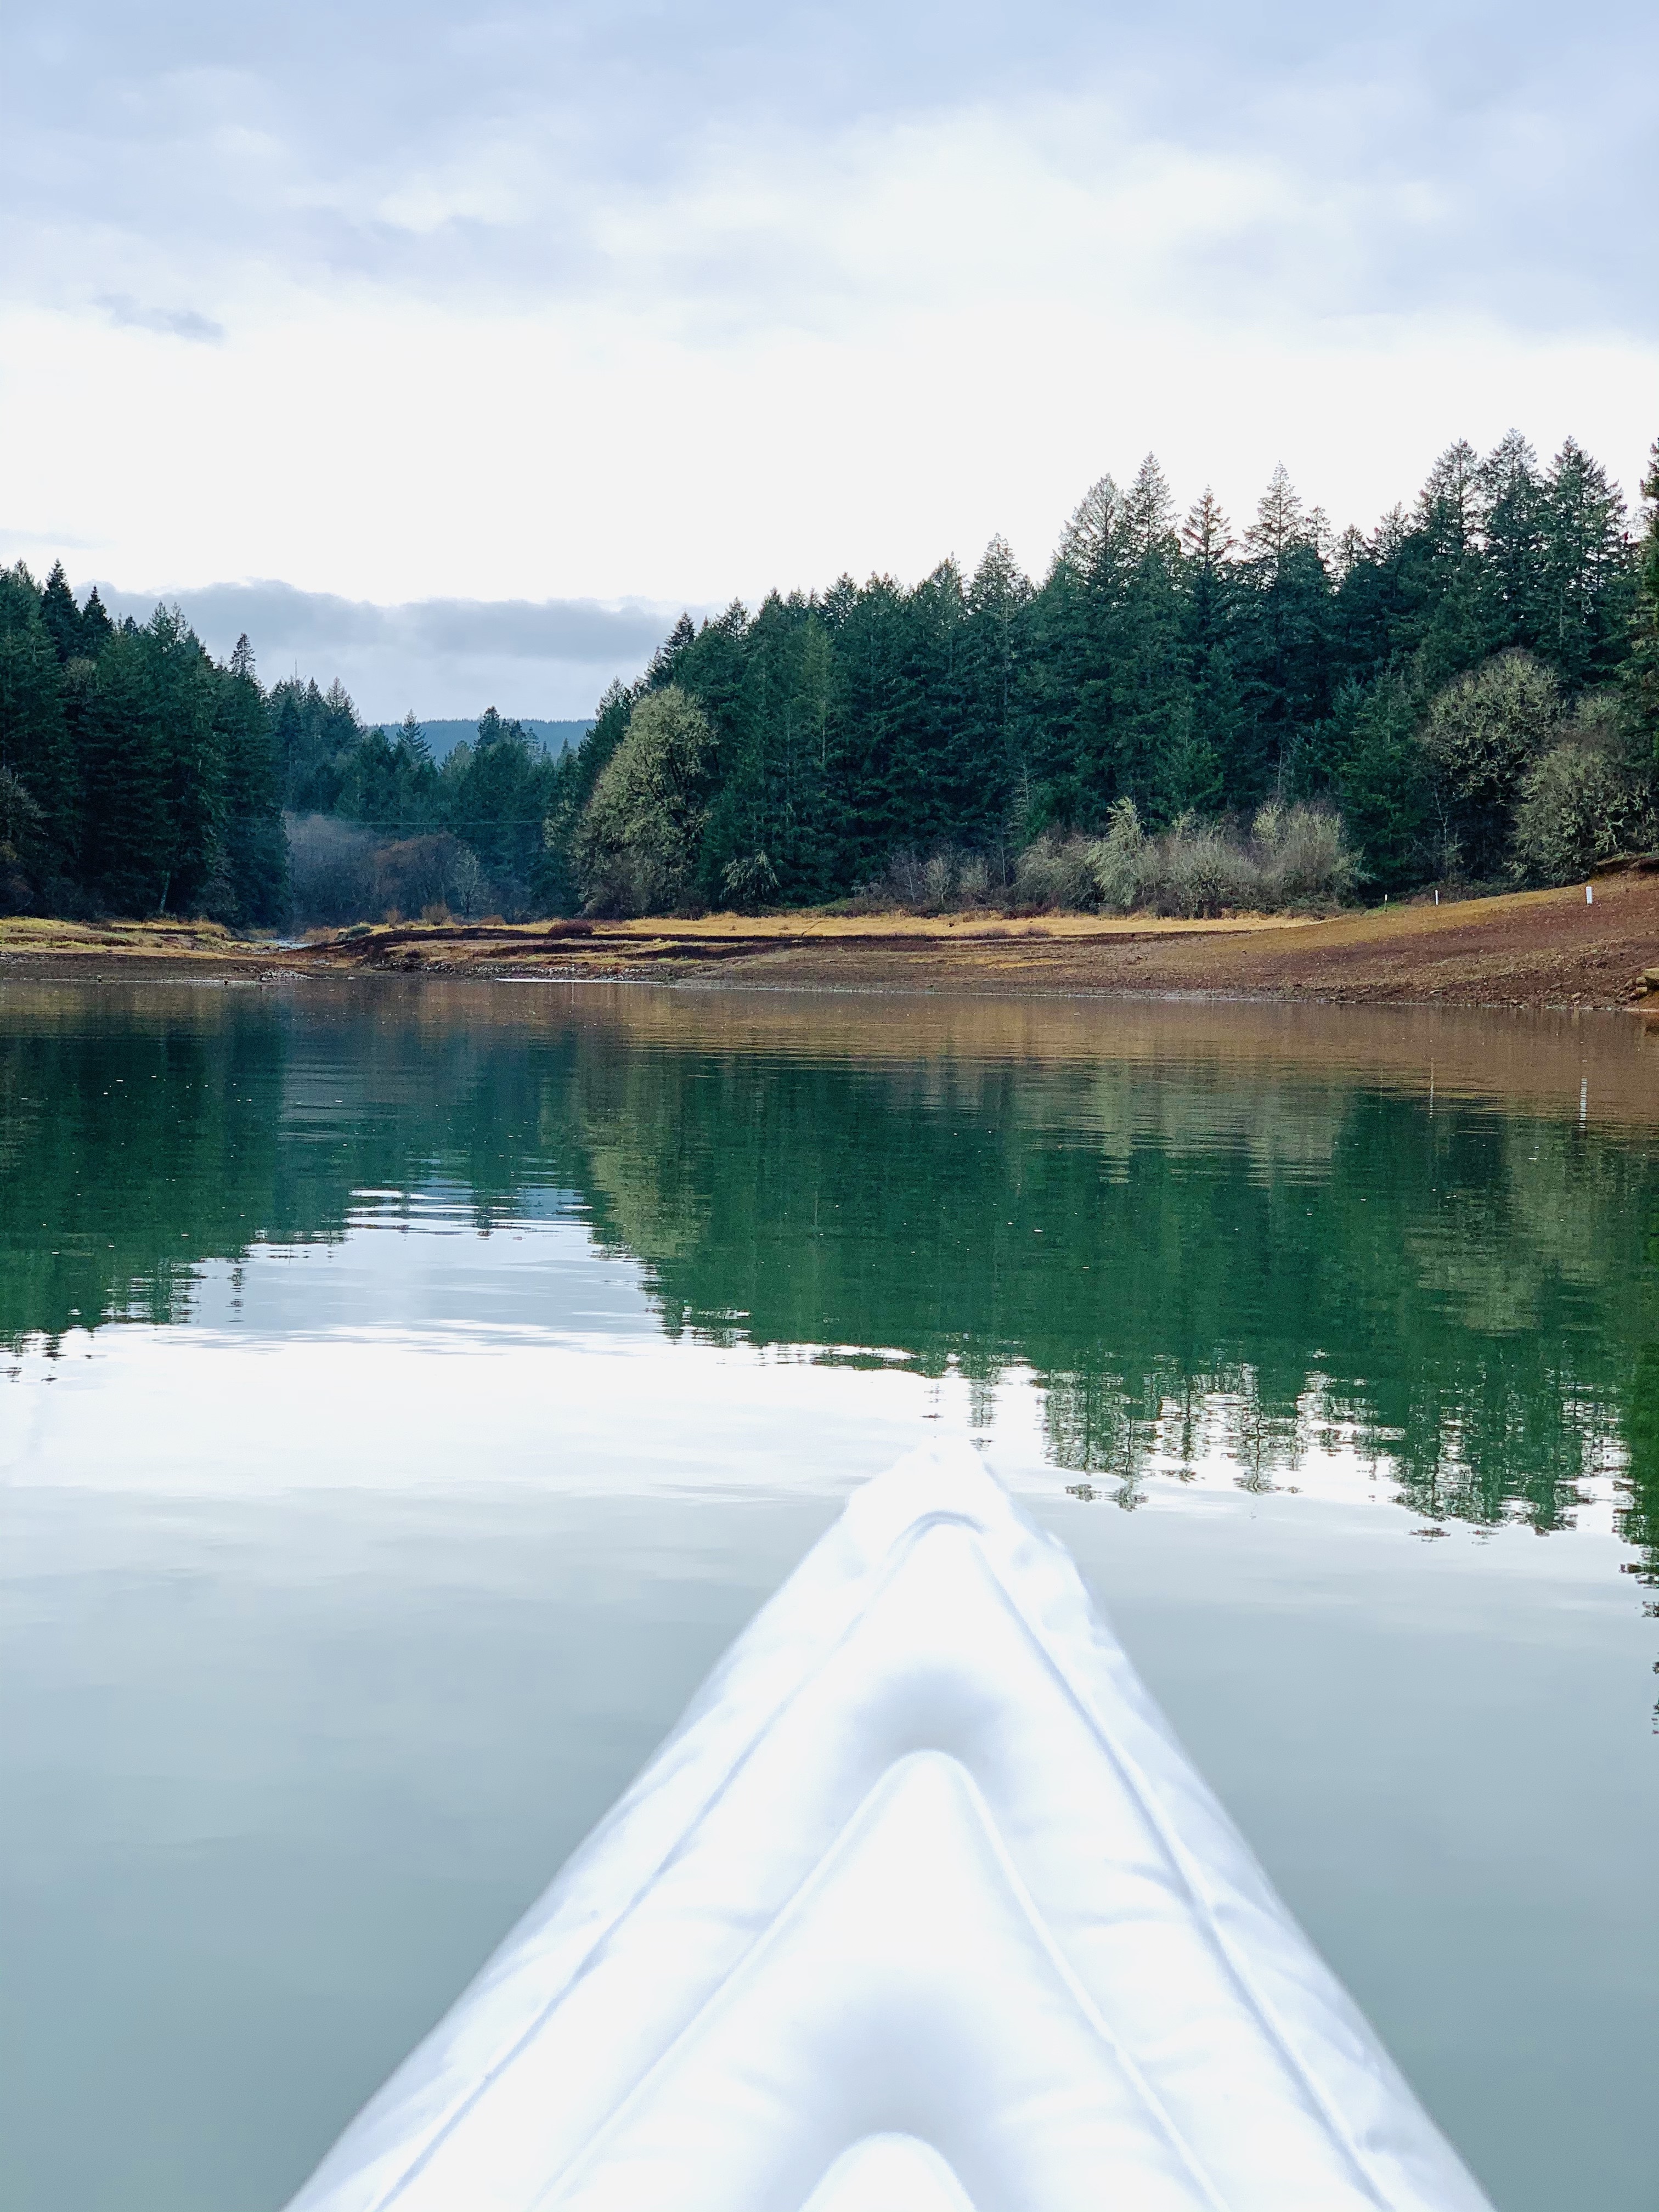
[(920, 1908)]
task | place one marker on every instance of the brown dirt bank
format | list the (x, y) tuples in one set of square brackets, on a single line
[(1532, 949), (1535, 949)]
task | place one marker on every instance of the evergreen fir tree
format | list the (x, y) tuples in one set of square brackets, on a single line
[(1284, 659), (192, 746), (1641, 675), (997, 646), (125, 849), (412, 742), (1583, 593), (1152, 706), (61, 615), (96, 628), (1379, 777), (1512, 496), (35, 743), (1450, 620), (252, 889), (1075, 754)]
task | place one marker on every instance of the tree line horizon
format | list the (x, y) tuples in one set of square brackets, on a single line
[(1180, 712)]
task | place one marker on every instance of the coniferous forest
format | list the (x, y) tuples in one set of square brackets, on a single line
[(1183, 711), (139, 777)]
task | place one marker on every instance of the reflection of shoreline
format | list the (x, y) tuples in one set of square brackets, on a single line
[(1585, 1066)]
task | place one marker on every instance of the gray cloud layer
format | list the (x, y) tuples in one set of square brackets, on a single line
[(1493, 158), (442, 657)]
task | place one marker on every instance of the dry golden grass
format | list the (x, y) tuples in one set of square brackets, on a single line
[(829, 923), (40, 933)]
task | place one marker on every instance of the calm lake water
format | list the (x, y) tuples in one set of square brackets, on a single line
[(406, 1391)]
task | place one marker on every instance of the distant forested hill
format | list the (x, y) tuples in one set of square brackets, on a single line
[(443, 737)]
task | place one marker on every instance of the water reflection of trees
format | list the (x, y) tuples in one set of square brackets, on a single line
[(1192, 1259), (1503, 1449)]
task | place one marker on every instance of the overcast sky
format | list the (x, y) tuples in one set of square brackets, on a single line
[(598, 310)]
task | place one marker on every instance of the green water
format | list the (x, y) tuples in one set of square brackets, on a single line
[(405, 1391)]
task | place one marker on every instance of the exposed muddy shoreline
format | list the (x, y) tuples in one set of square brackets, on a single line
[(1538, 949)]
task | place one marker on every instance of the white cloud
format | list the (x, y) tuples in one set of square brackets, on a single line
[(619, 301), (550, 658)]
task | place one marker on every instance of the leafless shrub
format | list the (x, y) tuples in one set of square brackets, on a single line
[(907, 881), (873, 898), (1294, 856), (938, 881), (416, 872), (469, 886), (331, 871), (946, 879), (1303, 857), (1055, 872), (1195, 870), (750, 883), (974, 881), (1117, 861), (341, 873)]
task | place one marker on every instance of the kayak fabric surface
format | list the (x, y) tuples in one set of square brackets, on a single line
[(921, 1908)]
